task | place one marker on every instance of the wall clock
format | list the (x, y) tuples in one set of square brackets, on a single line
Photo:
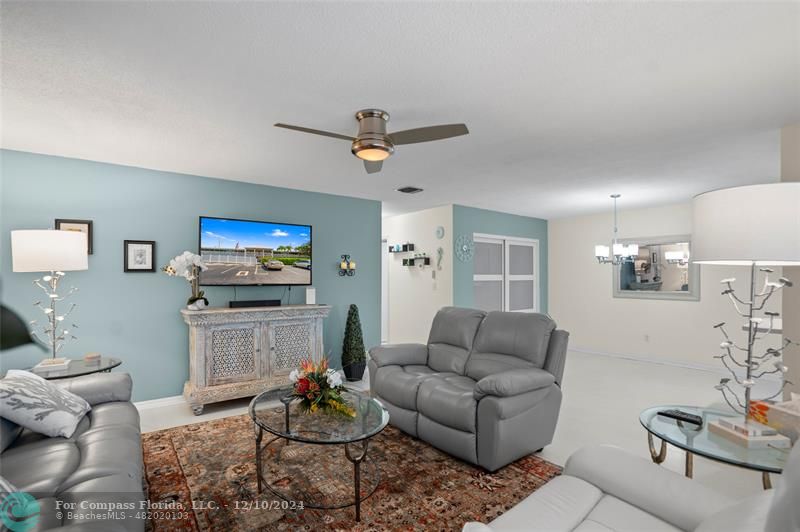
[(440, 232), (465, 248)]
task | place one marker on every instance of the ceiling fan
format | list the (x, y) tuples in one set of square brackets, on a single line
[(373, 144)]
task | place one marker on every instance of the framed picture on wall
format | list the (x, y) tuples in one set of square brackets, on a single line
[(82, 226), (140, 256)]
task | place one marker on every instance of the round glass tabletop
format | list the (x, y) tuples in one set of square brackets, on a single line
[(702, 442), (78, 367), (268, 412)]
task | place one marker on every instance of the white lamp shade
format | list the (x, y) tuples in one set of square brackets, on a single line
[(631, 250), (34, 250), (745, 225), (601, 251)]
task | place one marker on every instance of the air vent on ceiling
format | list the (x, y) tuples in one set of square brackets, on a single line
[(409, 190)]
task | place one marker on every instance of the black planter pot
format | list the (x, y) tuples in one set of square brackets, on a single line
[(355, 371)]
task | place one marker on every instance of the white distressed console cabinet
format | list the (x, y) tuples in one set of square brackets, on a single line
[(239, 352)]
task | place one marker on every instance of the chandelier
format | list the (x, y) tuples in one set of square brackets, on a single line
[(617, 253)]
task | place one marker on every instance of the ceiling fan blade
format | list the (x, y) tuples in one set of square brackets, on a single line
[(316, 132), (373, 167), (427, 134)]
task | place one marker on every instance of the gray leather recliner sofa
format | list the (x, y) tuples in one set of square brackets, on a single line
[(485, 388), (101, 463)]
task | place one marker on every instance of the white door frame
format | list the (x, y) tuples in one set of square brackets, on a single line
[(507, 277), (384, 290)]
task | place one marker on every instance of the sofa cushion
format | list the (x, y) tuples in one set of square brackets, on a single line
[(420, 370), (446, 357), (118, 413), (114, 450), (397, 386), (449, 400), (39, 405), (451, 338), (525, 336), (750, 514), (482, 365), (614, 514), (561, 504), (41, 466)]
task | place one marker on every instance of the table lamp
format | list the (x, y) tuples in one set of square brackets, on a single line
[(54, 252), (756, 226)]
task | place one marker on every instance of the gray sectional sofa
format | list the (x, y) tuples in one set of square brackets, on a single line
[(485, 388), (604, 488), (100, 463)]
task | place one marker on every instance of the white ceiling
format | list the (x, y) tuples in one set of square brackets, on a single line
[(566, 102)]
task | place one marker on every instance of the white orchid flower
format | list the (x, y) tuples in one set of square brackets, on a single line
[(334, 379)]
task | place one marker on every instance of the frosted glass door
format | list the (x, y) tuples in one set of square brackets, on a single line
[(505, 274), (488, 274), (520, 281)]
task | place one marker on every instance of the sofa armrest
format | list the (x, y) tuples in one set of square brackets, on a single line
[(513, 382), (557, 354), (680, 501), (399, 354), (99, 388)]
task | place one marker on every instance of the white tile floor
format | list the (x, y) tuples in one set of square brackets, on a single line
[(602, 400)]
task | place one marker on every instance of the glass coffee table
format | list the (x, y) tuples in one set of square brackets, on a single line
[(700, 441), (302, 464), (79, 367)]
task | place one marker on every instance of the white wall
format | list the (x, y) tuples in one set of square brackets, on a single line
[(416, 294), (581, 293), (790, 171)]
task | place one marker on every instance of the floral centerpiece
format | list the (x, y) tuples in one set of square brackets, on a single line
[(319, 388), (188, 265)]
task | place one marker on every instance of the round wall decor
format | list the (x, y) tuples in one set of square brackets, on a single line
[(465, 248), (440, 232)]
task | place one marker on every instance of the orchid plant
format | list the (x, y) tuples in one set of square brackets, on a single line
[(188, 265)]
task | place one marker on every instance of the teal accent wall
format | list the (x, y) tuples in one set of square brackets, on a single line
[(135, 316), (468, 220)]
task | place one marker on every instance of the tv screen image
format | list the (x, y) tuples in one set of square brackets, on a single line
[(243, 252)]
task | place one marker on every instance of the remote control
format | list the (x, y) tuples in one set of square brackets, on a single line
[(680, 415)]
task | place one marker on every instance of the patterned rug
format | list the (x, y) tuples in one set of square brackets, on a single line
[(204, 476)]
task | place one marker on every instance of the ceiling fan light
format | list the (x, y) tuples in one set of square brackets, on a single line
[(372, 154), (372, 149)]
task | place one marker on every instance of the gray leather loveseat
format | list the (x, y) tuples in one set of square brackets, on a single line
[(74, 479), (485, 388)]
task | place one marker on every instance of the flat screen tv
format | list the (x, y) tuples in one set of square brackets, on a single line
[(249, 253)]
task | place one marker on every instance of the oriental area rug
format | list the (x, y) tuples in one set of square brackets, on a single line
[(202, 477)]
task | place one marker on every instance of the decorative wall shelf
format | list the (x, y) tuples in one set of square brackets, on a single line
[(417, 261), (404, 248)]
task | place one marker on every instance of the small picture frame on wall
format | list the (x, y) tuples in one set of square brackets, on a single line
[(81, 226), (140, 256)]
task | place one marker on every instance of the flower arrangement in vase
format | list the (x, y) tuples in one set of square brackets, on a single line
[(319, 388), (188, 265)]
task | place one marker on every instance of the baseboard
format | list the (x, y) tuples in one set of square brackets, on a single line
[(709, 368), (160, 402)]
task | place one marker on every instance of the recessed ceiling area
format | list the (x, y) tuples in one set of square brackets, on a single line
[(565, 102)]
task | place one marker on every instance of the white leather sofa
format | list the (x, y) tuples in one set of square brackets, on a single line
[(606, 489)]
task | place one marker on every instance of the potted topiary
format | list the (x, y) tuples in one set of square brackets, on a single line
[(354, 358)]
